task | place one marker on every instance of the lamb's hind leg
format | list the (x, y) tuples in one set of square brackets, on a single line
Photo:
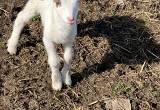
[(23, 17), (53, 61), (68, 54)]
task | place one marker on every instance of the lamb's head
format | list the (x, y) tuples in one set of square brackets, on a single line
[(67, 10)]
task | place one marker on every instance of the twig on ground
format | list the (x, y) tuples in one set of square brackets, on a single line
[(92, 103), (123, 48), (153, 54), (5, 11), (142, 67)]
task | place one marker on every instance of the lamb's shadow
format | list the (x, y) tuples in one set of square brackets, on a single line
[(130, 40)]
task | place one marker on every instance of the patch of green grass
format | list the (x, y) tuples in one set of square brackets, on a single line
[(35, 18), (120, 87)]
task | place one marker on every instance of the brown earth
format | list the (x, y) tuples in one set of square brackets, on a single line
[(117, 53)]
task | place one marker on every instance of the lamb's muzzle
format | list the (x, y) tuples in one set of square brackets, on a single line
[(70, 20)]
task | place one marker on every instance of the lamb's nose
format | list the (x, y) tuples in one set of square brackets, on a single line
[(71, 19)]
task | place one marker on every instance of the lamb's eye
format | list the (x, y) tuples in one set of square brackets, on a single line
[(58, 3)]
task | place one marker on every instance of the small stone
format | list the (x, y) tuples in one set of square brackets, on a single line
[(118, 104)]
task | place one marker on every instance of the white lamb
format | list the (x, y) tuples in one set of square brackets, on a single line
[(59, 27)]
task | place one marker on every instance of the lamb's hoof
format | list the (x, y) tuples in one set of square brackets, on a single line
[(57, 83), (57, 86), (66, 78), (12, 50)]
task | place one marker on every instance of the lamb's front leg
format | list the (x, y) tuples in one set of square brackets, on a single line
[(23, 17), (53, 61), (68, 54)]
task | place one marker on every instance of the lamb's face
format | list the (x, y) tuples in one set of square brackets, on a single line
[(67, 10)]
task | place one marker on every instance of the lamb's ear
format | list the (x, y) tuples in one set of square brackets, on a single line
[(57, 2)]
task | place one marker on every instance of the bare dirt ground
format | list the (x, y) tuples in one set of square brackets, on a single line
[(117, 53)]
